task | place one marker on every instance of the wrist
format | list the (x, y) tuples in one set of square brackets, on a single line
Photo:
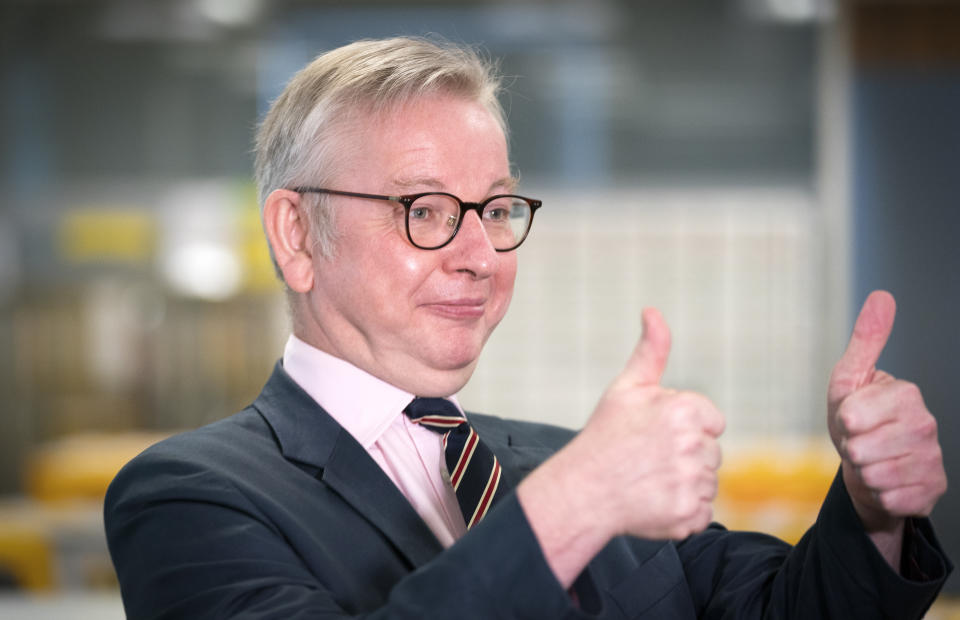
[(566, 515), (873, 517)]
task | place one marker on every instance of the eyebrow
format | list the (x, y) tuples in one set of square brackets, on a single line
[(507, 184)]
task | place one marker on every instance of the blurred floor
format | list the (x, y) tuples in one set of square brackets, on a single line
[(108, 607), (73, 606)]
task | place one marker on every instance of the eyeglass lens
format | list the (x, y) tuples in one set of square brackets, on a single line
[(432, 220)]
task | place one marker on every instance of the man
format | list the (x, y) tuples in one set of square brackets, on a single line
[(322, 499)]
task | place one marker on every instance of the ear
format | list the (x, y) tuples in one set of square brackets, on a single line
[(288, 233)]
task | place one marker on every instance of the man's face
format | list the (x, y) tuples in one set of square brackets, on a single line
[(417, 319)]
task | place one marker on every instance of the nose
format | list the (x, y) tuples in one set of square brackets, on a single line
[(471, 250)]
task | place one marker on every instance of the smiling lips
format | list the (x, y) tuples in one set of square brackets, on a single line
[(458, 308)]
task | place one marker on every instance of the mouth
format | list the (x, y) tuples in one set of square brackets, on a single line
[(458, 308)]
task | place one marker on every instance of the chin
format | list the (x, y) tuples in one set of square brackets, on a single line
[(447, 375), (456, 366), (437, 382), (462, 357)]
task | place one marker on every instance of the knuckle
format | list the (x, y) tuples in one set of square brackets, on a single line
[(707, 518), (921, 507), (677, 444), (709, 490), (692, 444), (889, 501), (927, 505), (908, 393), (714, 422), (686, 507), (677, 423), (703, 412), (712, 491), (682, 414), (936, 456), (722, 425), (927, 426), (873, 476), (688, 398), (854, 450), (847, 416), (713, 454)]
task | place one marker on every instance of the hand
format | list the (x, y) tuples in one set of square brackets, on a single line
[(652, 452), (887, 439), (645, 464), (660, 452)]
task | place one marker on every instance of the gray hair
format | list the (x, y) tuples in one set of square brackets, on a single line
[(295, 143)]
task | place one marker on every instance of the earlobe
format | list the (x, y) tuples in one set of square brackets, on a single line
[(288, 234)]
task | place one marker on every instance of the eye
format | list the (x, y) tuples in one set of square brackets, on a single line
[(498, 211), (428, 208), (498, 214), (436, 210)]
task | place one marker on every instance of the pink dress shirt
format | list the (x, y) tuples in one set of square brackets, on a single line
[(372, 411)]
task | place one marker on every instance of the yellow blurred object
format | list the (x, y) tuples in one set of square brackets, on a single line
[(776, 489), (26, 554), (946, 607), (82, 466), (259, 274), (111, 234)]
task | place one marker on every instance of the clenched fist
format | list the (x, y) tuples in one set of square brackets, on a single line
[(886, 437)]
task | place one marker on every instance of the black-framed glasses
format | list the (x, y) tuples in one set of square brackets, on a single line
[(432, 219)]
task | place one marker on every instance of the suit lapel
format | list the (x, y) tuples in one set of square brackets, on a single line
[(361, 483), (308, 435)]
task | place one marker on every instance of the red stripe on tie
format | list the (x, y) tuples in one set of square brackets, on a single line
[(464, 460), (444, 421), (488, 494)]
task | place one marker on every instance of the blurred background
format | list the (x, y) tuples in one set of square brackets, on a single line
[(752, 167)]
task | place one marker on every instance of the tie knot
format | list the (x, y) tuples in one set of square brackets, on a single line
[(471, 467), (437, 414)]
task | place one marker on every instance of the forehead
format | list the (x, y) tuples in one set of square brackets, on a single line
[(441, 137)]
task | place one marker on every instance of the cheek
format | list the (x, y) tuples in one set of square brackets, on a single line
[(506, 278), (402, 270), (413, 265)]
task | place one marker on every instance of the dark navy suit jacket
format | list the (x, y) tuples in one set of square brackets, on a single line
[(277, 512)]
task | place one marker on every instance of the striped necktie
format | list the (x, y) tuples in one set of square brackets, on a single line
[(474, 470)]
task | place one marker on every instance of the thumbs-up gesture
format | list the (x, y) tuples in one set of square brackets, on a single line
[(655, 449), (645, 464), (886, 437), (661, 443)]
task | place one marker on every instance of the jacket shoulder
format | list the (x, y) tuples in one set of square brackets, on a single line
[(521, 432), (189, 465)]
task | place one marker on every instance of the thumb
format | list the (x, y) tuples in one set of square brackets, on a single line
[(857, 366), (649, 358)]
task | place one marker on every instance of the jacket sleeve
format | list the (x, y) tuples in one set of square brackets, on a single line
[(834, 571)]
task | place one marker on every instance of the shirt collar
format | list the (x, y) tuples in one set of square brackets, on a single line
[(361, 403)]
